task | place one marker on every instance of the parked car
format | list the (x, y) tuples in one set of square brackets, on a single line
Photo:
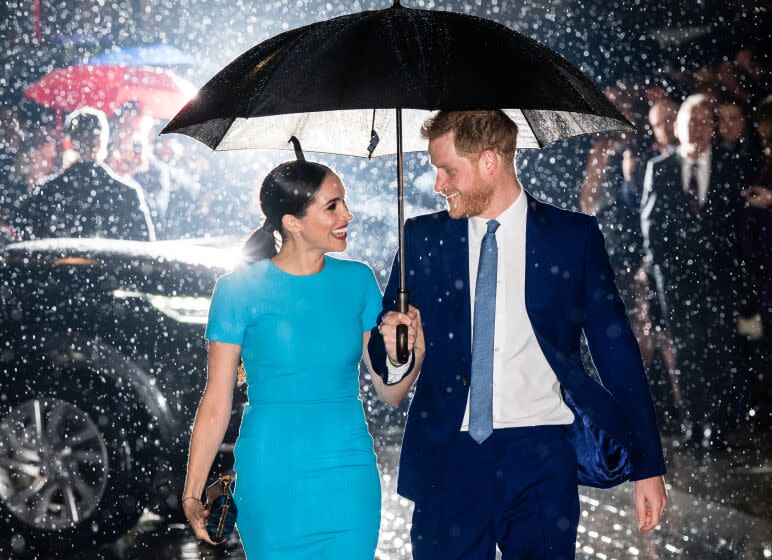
[(102, 366)]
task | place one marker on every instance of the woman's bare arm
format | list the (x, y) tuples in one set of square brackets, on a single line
[(394, 394), (212, 418)]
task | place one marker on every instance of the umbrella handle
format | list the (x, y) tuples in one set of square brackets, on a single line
[(402, 306)]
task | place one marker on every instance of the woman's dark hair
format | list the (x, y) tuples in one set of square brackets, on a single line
[(288, 189)]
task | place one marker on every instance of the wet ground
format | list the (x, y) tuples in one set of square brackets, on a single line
[(712, 515)]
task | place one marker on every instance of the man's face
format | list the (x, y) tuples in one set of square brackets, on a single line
[(38, 162), (458, 179), (694, 126), (662, 122), (731, 122)]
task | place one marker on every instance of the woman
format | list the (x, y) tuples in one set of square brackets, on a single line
[(307, 484)]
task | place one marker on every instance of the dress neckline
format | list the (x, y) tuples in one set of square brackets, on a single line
[(289, 274)]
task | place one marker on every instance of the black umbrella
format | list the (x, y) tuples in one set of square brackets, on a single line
[(362, 84)]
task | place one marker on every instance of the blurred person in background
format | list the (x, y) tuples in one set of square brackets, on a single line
[(35, 159), (731, 126), (176, 174), (662, 117), (131, 156), (752, 77), (87, 199), (10, 139), (611, 192), (757, 250), (690, 216)]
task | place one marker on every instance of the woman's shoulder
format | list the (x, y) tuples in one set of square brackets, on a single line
[(349, 265), (353, 269), (244, 276)]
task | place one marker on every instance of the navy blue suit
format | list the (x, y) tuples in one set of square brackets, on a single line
[(569, 289)]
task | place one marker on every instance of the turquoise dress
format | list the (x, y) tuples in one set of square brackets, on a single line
[(307, 484)]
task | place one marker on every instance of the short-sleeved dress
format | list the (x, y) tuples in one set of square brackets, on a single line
[(307, 483)]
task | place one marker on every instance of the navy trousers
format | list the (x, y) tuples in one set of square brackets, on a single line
[(517, 489)]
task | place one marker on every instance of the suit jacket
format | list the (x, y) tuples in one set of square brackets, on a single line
[(696, 257), (87, 200), (569, 289)]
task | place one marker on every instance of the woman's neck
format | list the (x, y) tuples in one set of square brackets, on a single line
[(298, 260)]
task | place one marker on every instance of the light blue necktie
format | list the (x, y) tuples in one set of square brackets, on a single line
[(481, 387)]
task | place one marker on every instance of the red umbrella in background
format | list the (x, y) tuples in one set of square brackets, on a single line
[(160, 92)]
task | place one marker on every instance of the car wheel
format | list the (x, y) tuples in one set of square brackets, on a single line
[(69, 475)]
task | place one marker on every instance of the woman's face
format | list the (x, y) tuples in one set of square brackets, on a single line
[(325, 225)]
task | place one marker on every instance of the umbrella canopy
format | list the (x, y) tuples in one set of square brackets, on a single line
[(160, 92), (362, 85), (331, 83), (143, 55)]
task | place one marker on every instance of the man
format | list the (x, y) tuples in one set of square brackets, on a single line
[(132, 158), (505, 422), (35, 161), (690, 208), (662, 123), (87, 199)]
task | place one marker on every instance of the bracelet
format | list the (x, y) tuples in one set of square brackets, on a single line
[(399, 365), (191, 498)]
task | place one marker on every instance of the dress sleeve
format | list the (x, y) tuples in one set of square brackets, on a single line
[(373, 300), (227, 314)]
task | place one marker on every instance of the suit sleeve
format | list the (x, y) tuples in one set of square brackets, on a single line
[(147, 221), (616, 356), (141, 228), (651, 225), (375, 347)]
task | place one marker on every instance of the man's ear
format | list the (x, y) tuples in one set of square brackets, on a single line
[(489, 162)]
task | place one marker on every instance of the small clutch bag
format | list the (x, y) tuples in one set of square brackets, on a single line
[(222, 509)]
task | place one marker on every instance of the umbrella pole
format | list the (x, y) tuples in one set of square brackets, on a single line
[(402, 299)]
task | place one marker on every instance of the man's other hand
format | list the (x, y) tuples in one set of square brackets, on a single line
[(650, 502)]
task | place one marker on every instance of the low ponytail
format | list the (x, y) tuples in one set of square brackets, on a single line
[(260, 244)]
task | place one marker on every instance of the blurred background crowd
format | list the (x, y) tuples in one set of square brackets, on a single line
[(684, 202)]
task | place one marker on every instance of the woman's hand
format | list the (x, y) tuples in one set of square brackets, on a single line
[(394, 394), (209, 428), (196, 515)]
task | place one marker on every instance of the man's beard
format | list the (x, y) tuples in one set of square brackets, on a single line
[(473, 201)]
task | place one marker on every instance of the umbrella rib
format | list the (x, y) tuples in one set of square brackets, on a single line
[(539, 140), (301, 124)]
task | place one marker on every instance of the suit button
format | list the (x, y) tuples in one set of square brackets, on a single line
[(465, 381)]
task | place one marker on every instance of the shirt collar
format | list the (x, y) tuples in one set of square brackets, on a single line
[(511, 217), (702, 161)]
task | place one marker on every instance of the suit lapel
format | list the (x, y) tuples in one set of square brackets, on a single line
[(456, 265), (535, 249)]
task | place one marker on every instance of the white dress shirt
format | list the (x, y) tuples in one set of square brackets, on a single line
[(526, 391), (703, 173)]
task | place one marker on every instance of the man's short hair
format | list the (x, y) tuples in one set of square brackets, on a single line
[(476, 131), (695, 100), (88, 129)]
